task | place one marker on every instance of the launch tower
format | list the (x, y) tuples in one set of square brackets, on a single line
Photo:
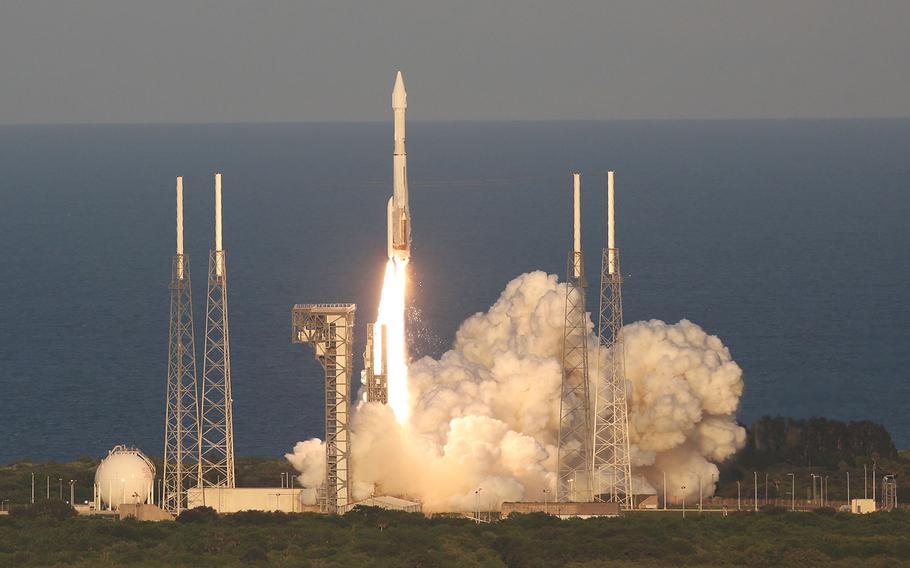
[(375, 377), (330, 329), (574, 465), (216, 453), (181, 423), (612, 466)]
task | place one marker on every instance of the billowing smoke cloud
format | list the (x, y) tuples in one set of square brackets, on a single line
[(486, 414)]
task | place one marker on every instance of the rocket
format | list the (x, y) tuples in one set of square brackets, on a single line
[(399, 214)]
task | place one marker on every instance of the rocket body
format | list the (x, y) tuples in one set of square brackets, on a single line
[(399, 213)]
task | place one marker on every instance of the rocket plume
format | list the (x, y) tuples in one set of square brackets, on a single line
[(391, 319), (486, 414)]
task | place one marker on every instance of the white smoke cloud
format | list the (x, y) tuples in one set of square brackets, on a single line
[(485, 415)]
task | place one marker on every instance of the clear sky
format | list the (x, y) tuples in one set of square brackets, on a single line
[(311, 60)]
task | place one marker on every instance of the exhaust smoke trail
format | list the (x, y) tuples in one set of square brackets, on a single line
[(486, 413)]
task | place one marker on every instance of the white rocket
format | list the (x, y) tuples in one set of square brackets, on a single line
[(399, 221)]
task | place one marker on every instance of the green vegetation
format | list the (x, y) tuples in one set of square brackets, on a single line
[(51, 478), (373, 537), (49, 534), (815, 446), (16, 478)]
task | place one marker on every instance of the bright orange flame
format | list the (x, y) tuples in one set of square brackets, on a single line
[(391, 315)]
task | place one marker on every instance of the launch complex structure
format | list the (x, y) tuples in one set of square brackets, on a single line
[(198, 431), (329, 328), (593, 461)]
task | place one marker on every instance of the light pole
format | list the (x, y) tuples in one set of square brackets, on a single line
[(683, 487), (665, 490), (48, 488), (545, 502), (848, 488), (873, 479), (814, 502), (715, 481), (33, 488), (739, 501), (865, 483), (755, 483), (792, 491), (477, 505), (72, 493), (60, 479)]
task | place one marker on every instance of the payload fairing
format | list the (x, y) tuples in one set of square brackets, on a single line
[(399, 221)]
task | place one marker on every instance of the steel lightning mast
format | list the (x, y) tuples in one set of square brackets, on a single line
[(574, 465), (181, 423), (216, 453), (612, 465)]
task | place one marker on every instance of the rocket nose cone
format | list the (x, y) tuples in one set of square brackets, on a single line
[(399, 95)]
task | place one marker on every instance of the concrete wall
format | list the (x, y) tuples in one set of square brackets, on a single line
[(226, 500)]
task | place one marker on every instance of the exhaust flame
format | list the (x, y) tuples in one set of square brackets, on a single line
[(391, 315)]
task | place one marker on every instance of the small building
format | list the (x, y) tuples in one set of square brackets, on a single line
[(645, 501), (562, 510), (233, 500), (862, 506)]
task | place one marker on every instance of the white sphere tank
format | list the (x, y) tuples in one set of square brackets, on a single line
[(126, 475)]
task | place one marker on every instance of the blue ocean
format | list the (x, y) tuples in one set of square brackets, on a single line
[(789, 240)]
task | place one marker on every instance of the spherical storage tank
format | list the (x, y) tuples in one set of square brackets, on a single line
[(126, 475)]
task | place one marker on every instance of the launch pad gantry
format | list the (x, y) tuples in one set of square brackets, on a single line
[(330, 329)]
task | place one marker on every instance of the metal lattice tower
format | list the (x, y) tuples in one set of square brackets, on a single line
[(574, 461), (375, 377), (889, 493), (181, 423), (612, 464), (330, 329), (216, 452)]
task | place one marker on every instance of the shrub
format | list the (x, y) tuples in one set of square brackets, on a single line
[(259, 517), (198, 515), (825, 511), (255, 552), (45, 510), (773, 510)]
